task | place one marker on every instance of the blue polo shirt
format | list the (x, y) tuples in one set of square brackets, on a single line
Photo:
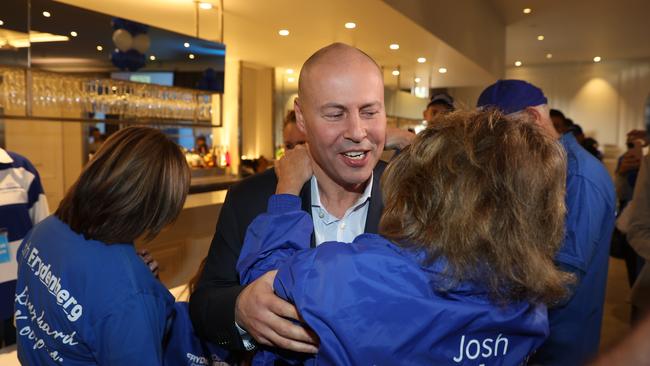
[(83, 302), (373, 303), (591, 204)]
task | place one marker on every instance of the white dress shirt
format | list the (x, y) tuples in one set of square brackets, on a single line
[(328, 227)]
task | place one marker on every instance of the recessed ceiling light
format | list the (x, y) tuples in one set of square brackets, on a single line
[(597, 59), (113, 88), (205, 6), (394, 46), (152, 58), (395, 72), (540, 37), (291, 80), (422, 60), (47, 14), (549, 55), (74, 34), (191, 56), (289, 71), (100, 48), (442, 70), (518, 63), (417, 80), (2, 23), (350, 25), (527, 10), (186, 45), (283, 32)]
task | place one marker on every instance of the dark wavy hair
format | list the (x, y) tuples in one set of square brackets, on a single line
[(134, 186), (485, 194)]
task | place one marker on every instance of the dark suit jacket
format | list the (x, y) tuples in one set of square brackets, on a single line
[(212, 304)]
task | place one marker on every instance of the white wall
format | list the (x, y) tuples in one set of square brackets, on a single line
[(606, 99)]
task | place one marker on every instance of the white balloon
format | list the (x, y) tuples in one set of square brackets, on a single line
[(122, 39), (141, 43)]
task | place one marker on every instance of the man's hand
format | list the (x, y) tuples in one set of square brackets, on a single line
[(293, 170), (262, 314), (396, 138), (629, 162)]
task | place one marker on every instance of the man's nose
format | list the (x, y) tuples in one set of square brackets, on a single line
[(356, 128)]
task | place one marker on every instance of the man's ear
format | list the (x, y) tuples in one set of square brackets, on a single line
[(534, 114), (300, 120)]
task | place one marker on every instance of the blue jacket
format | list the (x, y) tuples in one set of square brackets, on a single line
[(591, 204), (82, 302), (184, 348), (373, 303)]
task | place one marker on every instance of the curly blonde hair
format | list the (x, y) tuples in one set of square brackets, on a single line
[(484, 193)]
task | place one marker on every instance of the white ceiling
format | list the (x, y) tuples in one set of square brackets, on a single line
[(251, 28), (575, 30)]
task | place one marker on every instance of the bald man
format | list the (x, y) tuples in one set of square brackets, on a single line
[(340, 109)]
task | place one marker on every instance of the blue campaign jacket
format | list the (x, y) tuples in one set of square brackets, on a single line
[(184, 348), (83, 302), (591, 204), (373, 303)]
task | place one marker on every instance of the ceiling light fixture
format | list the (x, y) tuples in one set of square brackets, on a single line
[(395, 72), (100, 48), (394, 46), (283, 32), (205, 6), (191, 56), (597, 59), (350, 25), (442, 70), (152, 58), (518, 63), (549, 55), (527, 10), (47, 14), (291, 80), (540, 37), (417, 80), (422, 60), (74, 34), (289, 71), (186, 45), (2, 23)]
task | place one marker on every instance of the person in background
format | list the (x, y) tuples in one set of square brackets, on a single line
[(291, 134), (633, 350), (83, 294), (23, 205), (591, 145), (591, 205), (98, 140), (201, 146), (560, 122), (340, 109), (440, 103), (638, 234), (474, 215)]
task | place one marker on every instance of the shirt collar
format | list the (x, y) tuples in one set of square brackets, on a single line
[(5, 158), (315, 193)]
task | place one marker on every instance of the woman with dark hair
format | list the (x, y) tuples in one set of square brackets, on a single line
[(83, 295), (463, 269)]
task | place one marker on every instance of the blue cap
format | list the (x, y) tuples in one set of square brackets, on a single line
[(510, 96)]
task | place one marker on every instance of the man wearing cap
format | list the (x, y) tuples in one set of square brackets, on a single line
[(590, 200), (440, 103)]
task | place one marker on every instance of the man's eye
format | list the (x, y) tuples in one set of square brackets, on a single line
[(334, 116), (369, 113)]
